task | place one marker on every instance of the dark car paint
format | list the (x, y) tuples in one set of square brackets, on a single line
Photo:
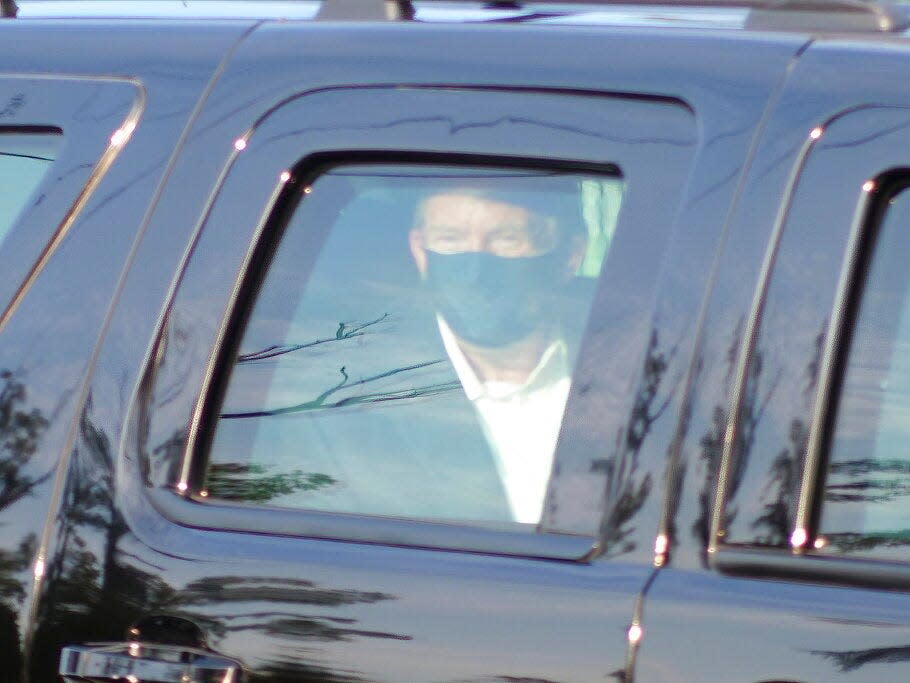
[(811, 632), (433, 601), (577, 636), (51, 340), (79, 345)]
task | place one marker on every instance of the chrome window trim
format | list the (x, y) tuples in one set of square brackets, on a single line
[(824, 409), (353, 528), (801, 533), (809, 566), (119, 139), (665, 527), (212, 367), (801, 560), (744, 361)]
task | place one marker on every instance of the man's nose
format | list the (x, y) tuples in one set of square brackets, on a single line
[(476, 242), (480, 244)]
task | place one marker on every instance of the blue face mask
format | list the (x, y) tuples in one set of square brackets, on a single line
[(490, 300)]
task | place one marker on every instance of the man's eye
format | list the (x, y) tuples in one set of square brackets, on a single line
[(509, 242), (448, 239), (446, 243)]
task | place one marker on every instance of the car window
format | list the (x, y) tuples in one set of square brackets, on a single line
[(408, 344), (25, 158), (866, 505)]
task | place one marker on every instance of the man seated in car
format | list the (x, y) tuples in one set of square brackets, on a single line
[(495, 263)]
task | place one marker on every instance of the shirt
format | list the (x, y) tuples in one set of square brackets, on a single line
[(521, 421)]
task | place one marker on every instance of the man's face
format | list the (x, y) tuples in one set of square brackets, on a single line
[(452, 223), (492, 266)]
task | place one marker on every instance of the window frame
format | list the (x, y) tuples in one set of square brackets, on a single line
[(88, 147), (195, 510), (801, 559), (178, 500), (254, 273), (25, 131)]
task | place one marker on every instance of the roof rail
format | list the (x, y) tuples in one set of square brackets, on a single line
[(364, 10), (8, 9), (828, 16)]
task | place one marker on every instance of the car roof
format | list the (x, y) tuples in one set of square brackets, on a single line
[(729, 14), (800, 15), (432, 12)]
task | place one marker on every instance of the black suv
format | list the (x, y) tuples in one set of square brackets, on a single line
[(517, 342)]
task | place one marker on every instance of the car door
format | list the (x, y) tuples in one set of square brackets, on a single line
[(294, 485), (85, 138), (49, 154), (787, 551)]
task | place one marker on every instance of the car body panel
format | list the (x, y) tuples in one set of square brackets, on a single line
[(100, 379), (368, 611), (50, 336), (783, 616)]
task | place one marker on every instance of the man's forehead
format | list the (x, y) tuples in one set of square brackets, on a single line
[(458, 207)]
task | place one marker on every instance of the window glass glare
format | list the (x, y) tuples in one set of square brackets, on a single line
[(24, 159), (866, 506), (410, 350)]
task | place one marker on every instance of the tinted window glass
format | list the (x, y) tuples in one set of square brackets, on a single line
[(410, 349), (24, 159), (866, 506)]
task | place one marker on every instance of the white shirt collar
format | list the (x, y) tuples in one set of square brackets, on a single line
[(552, 367)]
